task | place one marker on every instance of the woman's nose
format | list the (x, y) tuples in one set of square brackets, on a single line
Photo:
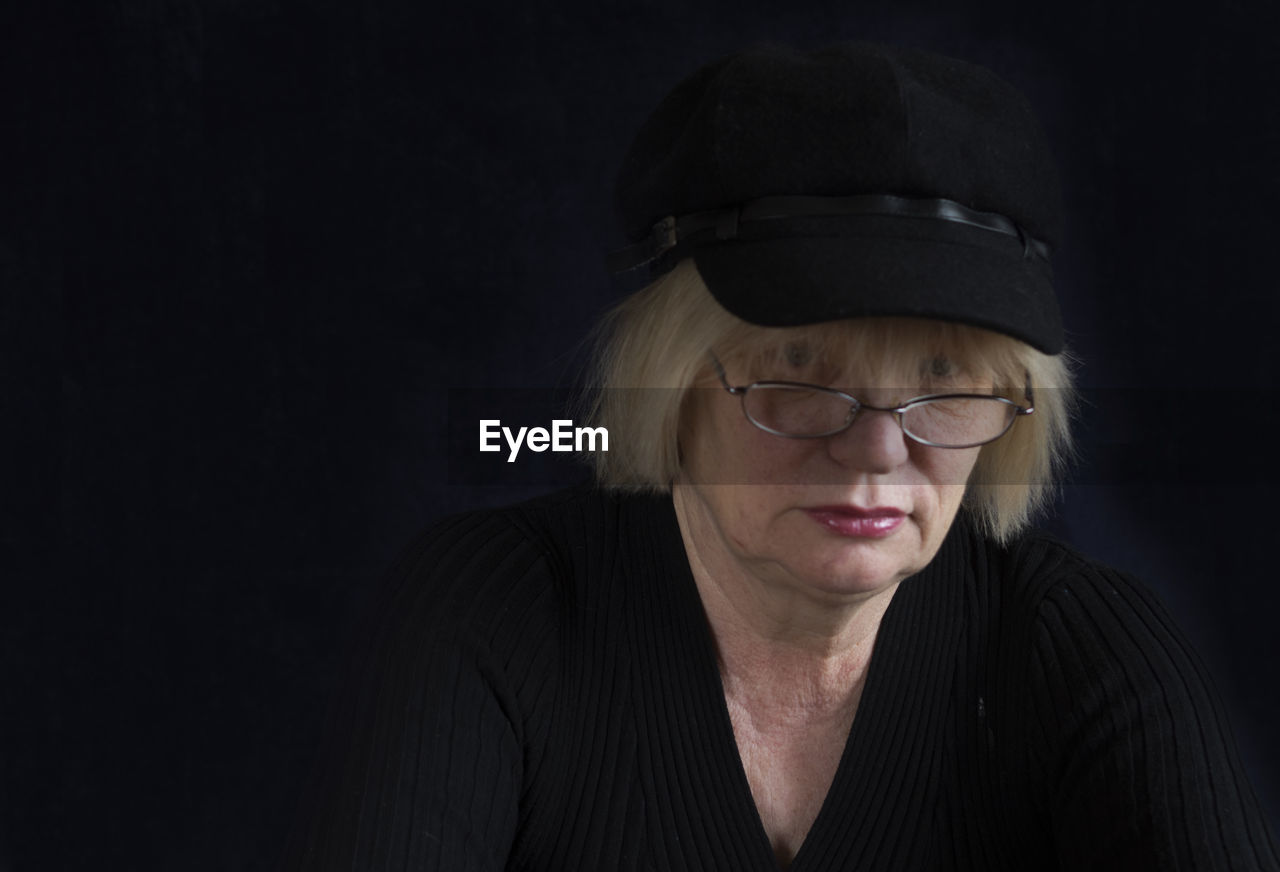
[(874, 443)]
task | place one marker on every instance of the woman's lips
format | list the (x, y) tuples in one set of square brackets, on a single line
[(872, 523)]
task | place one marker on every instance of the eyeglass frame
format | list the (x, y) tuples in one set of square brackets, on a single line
[(857, 406)]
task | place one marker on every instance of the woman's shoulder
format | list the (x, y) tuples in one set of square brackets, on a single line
[(1039, 572), (1066, 620), (472, 570), (1120, 717), (451, 689), (1087, 639)]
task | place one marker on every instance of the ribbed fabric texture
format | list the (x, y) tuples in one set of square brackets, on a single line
[(541, 693)]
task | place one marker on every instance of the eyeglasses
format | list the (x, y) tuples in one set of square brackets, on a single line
[(797, 410)]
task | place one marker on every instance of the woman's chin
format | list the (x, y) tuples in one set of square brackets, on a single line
[(858, 568)]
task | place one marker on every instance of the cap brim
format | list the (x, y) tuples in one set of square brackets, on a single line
[(952, 273)]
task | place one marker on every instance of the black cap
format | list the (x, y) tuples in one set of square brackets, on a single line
[(852, 181)]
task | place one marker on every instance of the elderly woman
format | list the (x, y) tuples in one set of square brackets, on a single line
[(799, 622)]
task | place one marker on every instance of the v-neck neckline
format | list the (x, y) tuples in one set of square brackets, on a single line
[(893, 738)]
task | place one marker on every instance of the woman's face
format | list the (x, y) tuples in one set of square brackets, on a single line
[(845, 514)]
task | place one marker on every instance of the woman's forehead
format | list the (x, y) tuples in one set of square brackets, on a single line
[(913, 347)]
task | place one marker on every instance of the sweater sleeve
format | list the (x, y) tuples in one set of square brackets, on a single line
[(1142, 767), (425, 746)]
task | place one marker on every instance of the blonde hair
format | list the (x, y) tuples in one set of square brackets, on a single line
[(652, 349)]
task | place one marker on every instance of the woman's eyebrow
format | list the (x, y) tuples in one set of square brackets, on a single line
[(941, 366), (798, 353)]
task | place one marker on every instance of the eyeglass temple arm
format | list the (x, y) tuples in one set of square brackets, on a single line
[(724, 379), (1031, 400)]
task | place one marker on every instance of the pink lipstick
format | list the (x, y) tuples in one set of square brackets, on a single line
[(873, 523)]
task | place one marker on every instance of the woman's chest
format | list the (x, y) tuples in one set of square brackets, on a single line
[(790, 773)]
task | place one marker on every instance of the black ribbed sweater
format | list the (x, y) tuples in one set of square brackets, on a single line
[(544, 695)]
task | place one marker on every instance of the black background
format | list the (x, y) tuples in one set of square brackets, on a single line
[(249, 247)]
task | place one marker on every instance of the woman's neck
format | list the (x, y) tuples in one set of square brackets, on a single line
[(787, 653)]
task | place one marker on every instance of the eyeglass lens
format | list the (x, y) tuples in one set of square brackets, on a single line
[(802, 411)]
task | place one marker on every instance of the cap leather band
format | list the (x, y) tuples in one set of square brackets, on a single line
[(718, 225)]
